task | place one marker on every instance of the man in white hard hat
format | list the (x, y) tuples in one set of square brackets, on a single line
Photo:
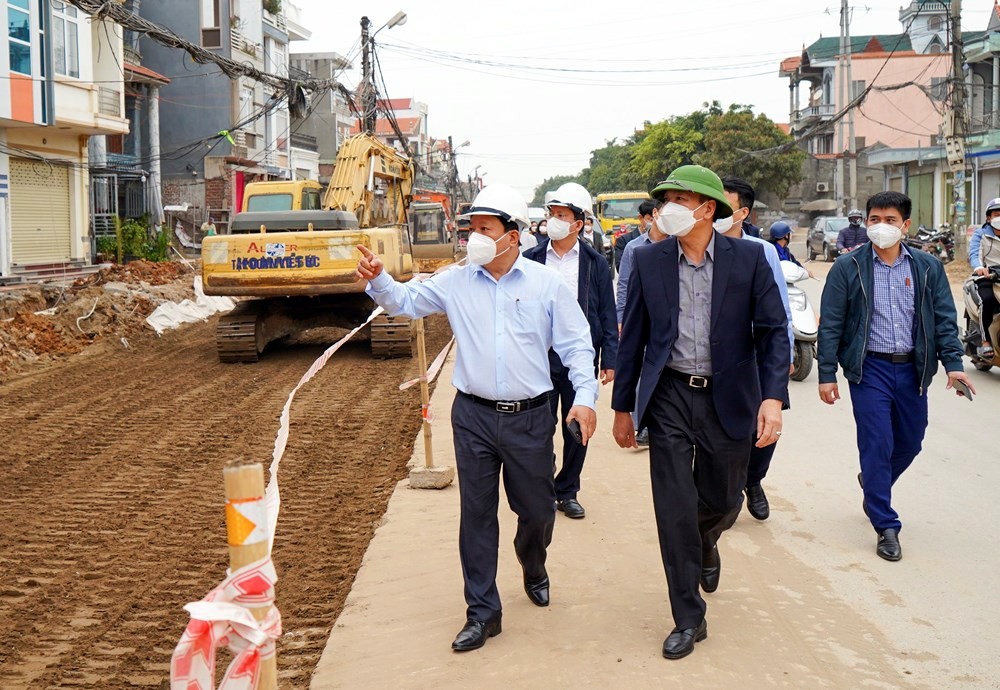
[(585, 272), (506, 313)]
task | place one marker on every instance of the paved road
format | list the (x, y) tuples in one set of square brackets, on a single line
[(804, 601)]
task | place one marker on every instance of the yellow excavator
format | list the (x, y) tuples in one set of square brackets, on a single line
[(298, 265)]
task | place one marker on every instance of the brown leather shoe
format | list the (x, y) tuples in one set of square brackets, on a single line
[(475, 633)]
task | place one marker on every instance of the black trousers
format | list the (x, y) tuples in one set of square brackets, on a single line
[(574, 454), (518, 446), (760, 462), (698, 474), (988, 308)]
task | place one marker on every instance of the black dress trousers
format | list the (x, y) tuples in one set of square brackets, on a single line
[(489, 443), (698, 474)]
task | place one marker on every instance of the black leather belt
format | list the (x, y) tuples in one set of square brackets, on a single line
[(691, 380), (894, 357), (510, 406)]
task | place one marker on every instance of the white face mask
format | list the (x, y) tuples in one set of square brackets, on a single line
[(884, 235), (481, 249), (995, 223), (675, 220), (558, 228), (724, 225)]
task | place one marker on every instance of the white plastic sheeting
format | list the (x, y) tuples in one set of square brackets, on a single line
[(172, 314)]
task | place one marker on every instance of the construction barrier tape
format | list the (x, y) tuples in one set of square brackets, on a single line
[(433, 370), (222, 618)]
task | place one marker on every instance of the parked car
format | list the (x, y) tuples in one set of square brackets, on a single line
[(822, 240)]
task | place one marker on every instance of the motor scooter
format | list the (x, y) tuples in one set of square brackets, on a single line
[(972, 338), (805, 325)]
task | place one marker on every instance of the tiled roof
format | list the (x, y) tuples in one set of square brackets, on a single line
[(828, 47), (383, 127)]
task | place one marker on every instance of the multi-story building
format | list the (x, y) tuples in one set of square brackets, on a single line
[(897, 122), (242, 125), (319, 133), (61, 82), (411, 117)]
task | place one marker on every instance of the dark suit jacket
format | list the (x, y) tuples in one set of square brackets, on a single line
[(747, 318), (597, 300)]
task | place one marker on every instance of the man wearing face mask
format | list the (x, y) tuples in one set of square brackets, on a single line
[(506, 312), (988, 305), (887, 318), (705, 326), (585, 272), (854, 234), (741, 197)]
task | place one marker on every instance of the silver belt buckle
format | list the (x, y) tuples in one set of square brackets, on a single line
[(698, 382), (508, 407)]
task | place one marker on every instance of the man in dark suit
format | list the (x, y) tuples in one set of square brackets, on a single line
[(585, 272), (705, 327)]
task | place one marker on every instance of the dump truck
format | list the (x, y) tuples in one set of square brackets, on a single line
[(296, 267), (618, 212)]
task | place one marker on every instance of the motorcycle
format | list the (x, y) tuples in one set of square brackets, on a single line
[(973, 338), (940, 242), (805, 325)]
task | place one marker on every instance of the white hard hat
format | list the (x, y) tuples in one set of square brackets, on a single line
[(574, 197), (502, 201)]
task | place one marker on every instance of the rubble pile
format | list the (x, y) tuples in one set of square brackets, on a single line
[(42, 321)]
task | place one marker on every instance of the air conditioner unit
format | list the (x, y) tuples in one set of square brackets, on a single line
[(822, 187)]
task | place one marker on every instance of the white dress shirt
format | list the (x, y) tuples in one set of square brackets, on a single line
[(504, 328), (568, 266)]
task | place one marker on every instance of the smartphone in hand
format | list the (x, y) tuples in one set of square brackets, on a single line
[(574, 430), (963, 389)]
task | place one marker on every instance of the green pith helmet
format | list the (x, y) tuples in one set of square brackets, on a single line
[(697, 179)]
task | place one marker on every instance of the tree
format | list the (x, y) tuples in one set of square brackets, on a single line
[(665, 146), (741, 144), (551, 184), (609, 168)]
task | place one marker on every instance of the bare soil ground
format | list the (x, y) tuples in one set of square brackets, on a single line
[(111, 517)]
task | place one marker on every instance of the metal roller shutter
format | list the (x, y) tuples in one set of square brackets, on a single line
[(39, 212)]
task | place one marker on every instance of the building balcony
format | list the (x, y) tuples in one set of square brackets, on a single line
[(985, 122), (304, 142), (293, 22), (88, 108), (823, 111)]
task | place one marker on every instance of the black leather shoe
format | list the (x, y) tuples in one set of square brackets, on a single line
[(888, 545), (642, 438), (757, 502), (475, 633), (572, 508), (680, 643), (711, 568), (537, 590), (864, 503)]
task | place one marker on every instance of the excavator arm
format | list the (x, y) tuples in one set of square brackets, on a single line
[(372, 181)]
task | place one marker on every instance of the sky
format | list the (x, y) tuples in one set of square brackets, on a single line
[(535, 86)]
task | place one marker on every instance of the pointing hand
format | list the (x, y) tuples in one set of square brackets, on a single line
[(369, 265)]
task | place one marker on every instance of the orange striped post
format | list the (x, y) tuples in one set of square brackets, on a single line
[(246, 533)]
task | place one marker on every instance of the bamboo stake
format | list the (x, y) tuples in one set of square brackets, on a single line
[(245, 483), (425, 394)]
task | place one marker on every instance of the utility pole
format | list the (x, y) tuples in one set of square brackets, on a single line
[(838, 182), (954, 126), (852, 150), (367, 82)]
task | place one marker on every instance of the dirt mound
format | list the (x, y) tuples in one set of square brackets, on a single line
[(45, 322)]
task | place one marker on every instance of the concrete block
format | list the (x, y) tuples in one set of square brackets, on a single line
[(431, 477)]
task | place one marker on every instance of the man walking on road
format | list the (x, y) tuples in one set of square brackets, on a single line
[(741, 197), (887, 317), (585, 272), (506, 312), (705, 326), (647, 214)]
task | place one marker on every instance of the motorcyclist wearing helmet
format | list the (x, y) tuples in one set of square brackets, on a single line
[(854, 235), (781, 236), (988, 302)]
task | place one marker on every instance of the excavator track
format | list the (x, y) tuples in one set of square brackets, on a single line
[(239, 334), (391, 336)]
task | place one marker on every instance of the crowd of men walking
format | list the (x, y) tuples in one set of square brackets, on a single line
[(697, 345)]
